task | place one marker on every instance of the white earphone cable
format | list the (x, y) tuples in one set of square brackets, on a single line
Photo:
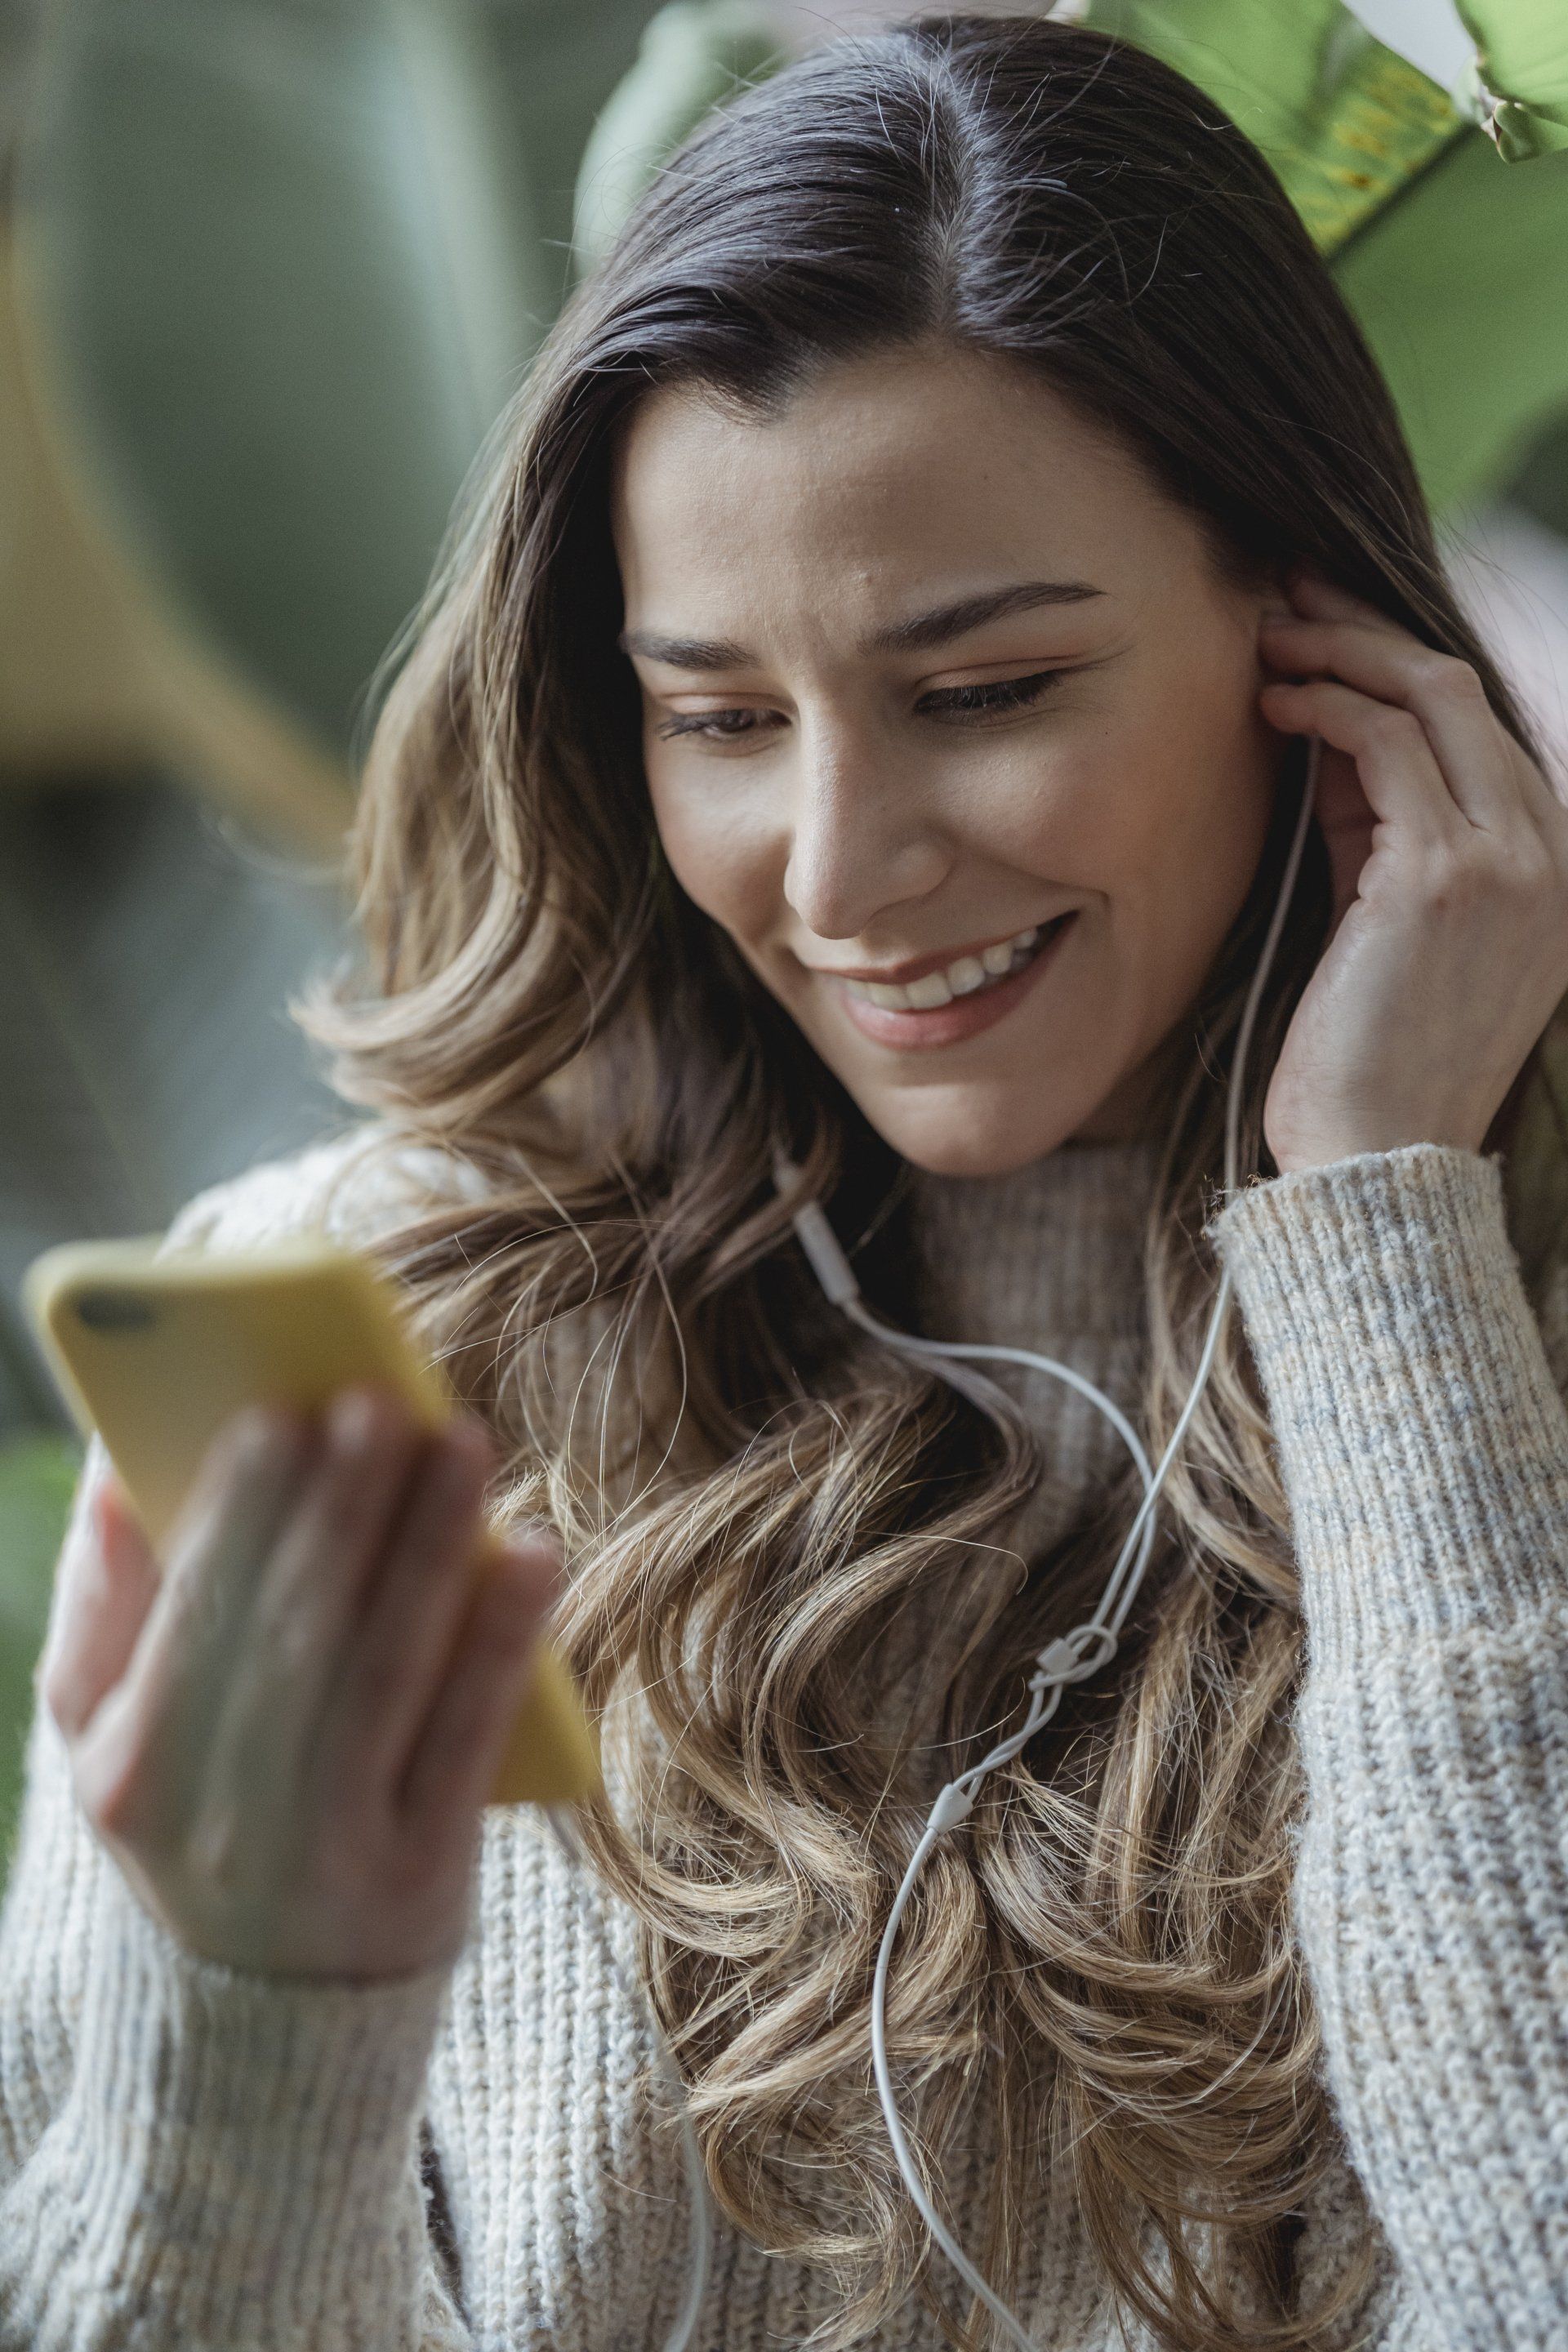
[(1071, 1657)]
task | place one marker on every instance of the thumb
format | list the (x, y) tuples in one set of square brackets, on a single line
[(108, 1579)]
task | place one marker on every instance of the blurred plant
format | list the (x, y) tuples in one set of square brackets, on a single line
[(693, 55), (1541, 483), (268, 273), (36, 1475), (277, 275)]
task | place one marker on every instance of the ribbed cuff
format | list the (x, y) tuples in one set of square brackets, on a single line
[(1423, 1442), (238, 2154)]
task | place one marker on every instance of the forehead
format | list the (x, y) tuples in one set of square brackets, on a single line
[(899, 466)]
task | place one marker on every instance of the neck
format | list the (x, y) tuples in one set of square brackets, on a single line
[(1053, 1246)]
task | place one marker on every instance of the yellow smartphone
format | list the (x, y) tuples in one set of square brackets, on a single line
[(156, 1353)]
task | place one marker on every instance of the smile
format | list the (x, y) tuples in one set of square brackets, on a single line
[(961, 999), (963, 976)]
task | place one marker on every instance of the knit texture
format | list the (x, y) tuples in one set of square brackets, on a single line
[(193, 2156)]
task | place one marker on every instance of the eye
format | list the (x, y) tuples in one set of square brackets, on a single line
[(959, 701), (997, 694), (710, 724)]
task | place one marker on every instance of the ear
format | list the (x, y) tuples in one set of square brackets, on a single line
[(1273, 592)]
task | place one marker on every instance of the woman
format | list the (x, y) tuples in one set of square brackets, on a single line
[(954, 508)]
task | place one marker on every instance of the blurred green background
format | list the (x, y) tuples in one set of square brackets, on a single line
[(269, 270)]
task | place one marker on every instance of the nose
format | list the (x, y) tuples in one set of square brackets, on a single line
[(865, 835)]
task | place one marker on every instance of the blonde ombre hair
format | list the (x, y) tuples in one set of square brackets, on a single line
[(751, 1491)]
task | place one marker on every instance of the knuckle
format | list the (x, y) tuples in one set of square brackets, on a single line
[(1454, 679), (1454, 884), (257, 1439), (367, 1418)]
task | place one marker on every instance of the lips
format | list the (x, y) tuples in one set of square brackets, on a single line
[(965, 1016)]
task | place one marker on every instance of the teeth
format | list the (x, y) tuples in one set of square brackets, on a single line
[(960, 978)]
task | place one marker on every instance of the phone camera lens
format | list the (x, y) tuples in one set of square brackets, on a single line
[(114, 1310)]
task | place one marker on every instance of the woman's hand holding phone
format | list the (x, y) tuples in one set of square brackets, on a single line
[(286, 1740)]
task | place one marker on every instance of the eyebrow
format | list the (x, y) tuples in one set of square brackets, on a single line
[(922, 630)]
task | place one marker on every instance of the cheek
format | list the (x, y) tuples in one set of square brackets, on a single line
[(1070, 811), (1194, 810), (724, 859), (1180, 771)]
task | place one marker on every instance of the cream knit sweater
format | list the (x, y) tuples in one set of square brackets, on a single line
[(196, 2159)]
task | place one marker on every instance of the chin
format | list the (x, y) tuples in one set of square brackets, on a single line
[(964, 1139)]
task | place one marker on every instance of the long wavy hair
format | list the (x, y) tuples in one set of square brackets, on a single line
[(751, 1491)]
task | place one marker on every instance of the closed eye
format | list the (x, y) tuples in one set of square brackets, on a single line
[(956, 702)]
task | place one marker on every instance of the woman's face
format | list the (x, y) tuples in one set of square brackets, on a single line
[(927, 663)]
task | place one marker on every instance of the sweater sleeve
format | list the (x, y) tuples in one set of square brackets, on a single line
[(194, 2155), (1422, 1446)]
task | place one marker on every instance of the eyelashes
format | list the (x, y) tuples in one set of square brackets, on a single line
[(959, 701), (706, 723), (997, 694)]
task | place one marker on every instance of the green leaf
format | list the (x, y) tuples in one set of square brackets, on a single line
[(1344, 122), (281, 277), (37, 1476)]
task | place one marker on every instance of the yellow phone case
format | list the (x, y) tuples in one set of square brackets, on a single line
[(158, 1352)]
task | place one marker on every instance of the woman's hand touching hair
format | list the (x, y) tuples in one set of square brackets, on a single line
[(1449, 850), (287, 1740)]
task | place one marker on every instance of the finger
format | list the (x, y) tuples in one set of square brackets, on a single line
[(1395, 762), (458, 1753), (1318, 598), (1545, 794), (108, 1580), (78, 1566), (326, 1552), (1473, 748), (1544, 791), (396, 1654), (215, 1553)]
